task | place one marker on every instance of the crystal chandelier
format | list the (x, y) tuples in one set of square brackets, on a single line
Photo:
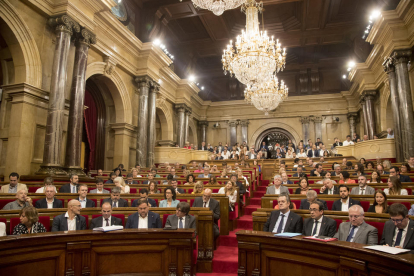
[(266, 96), (256, 58), (217, 6)]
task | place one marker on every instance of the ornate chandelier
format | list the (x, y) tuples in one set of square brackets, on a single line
[(256, 58), (217, 6), (266, 96)]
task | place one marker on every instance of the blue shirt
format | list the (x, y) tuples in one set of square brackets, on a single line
[(164, 203)]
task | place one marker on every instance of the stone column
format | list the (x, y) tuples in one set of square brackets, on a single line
[(305, 128), (364, 115), (244, 124), (186, 126), (181, 124), (144, 83), (64, 27), (151, 124), (204, 125), (369, 96), (352, 117), (318, 127), (233, 132), (77, 97), (239, 135), (406, 105)]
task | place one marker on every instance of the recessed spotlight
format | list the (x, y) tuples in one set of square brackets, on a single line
[(202, 87), (191, 78), (375, 13), (351, 64), (157, 42), (344, 76)]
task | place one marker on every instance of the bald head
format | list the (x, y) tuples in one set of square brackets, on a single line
[(207, 195), (74, 207)]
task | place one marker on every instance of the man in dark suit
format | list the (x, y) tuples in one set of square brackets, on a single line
[(395, 171), (283, 220), (50, 201), (318, 224), (181, 219), (311, 196), (71, 220), (115, 200), (174, 185), (328, 188), (130, 179), (345, 202), (264, 146), (214, 205), (143, 193), (203, 146), (299, 170), (313, 152), (85, 202), (399, 230), (71, 187), (337, 170), (150, 178), (285, 179), (337, 143), (106, 219), (144, 218), (317, 171)]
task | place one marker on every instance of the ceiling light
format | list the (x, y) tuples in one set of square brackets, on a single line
[(351, 64), (192, 78), (375, 14), (202, 87), (344, 76), (217, 6)]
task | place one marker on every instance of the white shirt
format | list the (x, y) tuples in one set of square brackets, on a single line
[(225, 155), (346, 143), (83, 202), (278, 222), (355, 231), (208, 203), (71, 223), (404, 233), (301, 155), (362, 190), (277, 190), (42, 190), (99, 192), (178, 223), (318, 226), (142, 222), (50, 205), (104, 221), (402, 192), (331, 190), (345, 206)]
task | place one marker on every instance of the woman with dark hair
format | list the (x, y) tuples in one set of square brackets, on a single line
[(117, 172), (170, 198), (375, 177), (405, 168), (362, 161), (359, 169), (190, 179), (395, 187), (380, 205), (370, 165), (213, 180), (344, 178), (153, 188), (333, 165), (303, 186), (29, 222)]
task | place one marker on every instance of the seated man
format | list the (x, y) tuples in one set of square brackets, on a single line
[(285, 179), (85, 202), (395, 171), (345, 202), (112, 176), (143, 193), (313, 152), (356, 229), (99, 187), (174, 185), (337, 170), (348, 141), (71, 220), (206, 173), (181, 219), (283, 220), (71, 187), (100, 172), (363, 188), (311, 197), (115, 200), (328, 188), (318, 224), (14, 185), (150, 178), (22, 200), (144, 218), (380, 170), (214, 205), (49, 201), (106, 219), (130, 179), (317, 171), (277, 188), (299, 170), (398, 231)]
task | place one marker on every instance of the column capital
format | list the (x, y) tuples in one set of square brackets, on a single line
[(144, 81), (188, 110), (304, 120), (353, 115), (244, 122), (110, 66), (155, 88), (203, 123), (180, 107), (389, 64), (86, 37), (402, 56), (64, 23), (317, 119), (232, 123), (369, 94)]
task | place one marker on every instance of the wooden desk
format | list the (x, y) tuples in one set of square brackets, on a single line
[(260, 253), (127, 252)]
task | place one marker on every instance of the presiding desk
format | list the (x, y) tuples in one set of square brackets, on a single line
[(260, 253), (87, 252)]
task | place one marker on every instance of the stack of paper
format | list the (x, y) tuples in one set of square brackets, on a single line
[(287, 235), (108, 228), (387, 249)]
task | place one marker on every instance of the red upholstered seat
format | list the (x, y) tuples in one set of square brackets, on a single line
[(406, 204), (190, 191), (409, 191), (274, 203), (338, 222), (87, 221), (311, 181), (45, 220), (290, 191), (318, 191), (13, 223), (265, 182), (365, 205), (182, 200), (379, 226), (215, 190), (191, 202), (164, 219), (296, 202), (156, 201), (3, 202), (133, 190), (329, 203), (33, 189)]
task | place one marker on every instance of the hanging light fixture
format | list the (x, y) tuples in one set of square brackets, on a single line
[(217, 6), (256, 58), (266, 96)]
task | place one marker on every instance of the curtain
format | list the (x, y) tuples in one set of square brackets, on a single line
[(91, 122)]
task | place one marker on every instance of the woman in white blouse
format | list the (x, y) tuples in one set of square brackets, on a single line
[(230, 191), (301, 153), (119, 182), (48, 181), (289, 154), (395, 187), (241, 176)]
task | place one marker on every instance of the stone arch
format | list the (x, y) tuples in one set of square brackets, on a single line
[(193, 129), (164, 114), (118, 90), (261, 131), (26, 56)]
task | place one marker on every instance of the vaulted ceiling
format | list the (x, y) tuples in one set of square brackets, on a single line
[(321, 36)]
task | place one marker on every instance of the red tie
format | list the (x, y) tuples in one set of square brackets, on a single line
[(205, 203)]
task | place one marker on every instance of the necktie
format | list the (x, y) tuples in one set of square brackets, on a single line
[(107, 222), (315, 229), (362, 191), (351, 235), (205, 203), (73, 190), (180, 224), (280, 228), (399, 236), (114, 204)]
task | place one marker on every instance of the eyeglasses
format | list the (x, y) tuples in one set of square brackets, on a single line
[(398, 221), (313, 210), (354, 216)]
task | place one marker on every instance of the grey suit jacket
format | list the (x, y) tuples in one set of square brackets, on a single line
[(190, 221), (366, 233), (328, 227), (389, 231), (271, 190), (368, 191), (60, 223), (95, 191)]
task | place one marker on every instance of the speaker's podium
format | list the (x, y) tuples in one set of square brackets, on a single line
[(87, 252)]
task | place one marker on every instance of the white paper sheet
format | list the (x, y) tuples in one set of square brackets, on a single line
[(109, 228), (387, 249)]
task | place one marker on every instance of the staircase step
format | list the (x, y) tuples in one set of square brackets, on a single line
[(255, 201), (245, 222), (259, 193), (261, 188), (226, 259), (229, 240), (248, 210)]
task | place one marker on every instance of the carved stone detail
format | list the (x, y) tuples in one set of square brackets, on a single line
[(144, 81), (172, 270), (64, 23), (402, 56), (51, 170), (110, 65), (209, 254), (389, 64), (305, 120)]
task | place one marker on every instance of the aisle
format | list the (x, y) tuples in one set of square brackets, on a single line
[(225, 261)]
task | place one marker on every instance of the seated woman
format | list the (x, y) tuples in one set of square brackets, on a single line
[(29, 222), (241, 176), (405, 168), (369, 165), (375, 177), (289, 154), (380, 205), (214, 169), (303, 186), (387, 165), (119, 182), (47, 182), (187, 145), (117, 172), (301, 153), (153, 188), (362, 161), (224, 174), (213, 180), (359, 169), (135, 172), (170, 198), (186, 173), (190, 180), (198, 188), (395, 187), (326, 174), (247, 165), (231, 192), (344, 178)]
